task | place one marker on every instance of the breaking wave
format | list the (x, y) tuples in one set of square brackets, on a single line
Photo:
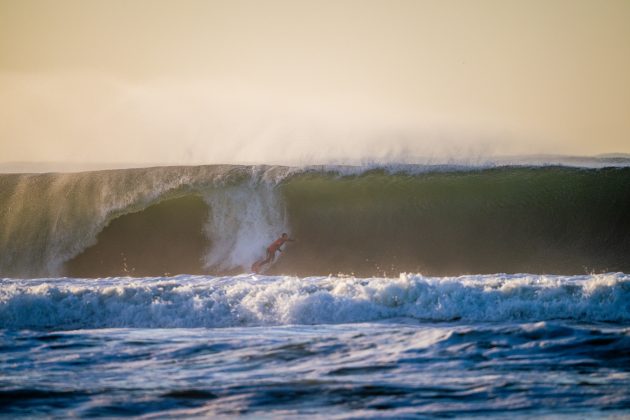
[(201, 301), (366, 220)]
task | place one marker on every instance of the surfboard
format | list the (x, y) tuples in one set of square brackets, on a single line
[(256, 267), (259, 268)]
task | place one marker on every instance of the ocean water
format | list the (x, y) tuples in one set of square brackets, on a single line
[(339, 347), (411, 292)]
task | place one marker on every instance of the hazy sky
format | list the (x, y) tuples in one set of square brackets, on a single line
[(151, 81)]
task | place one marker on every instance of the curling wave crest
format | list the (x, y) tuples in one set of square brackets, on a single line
[(203, 301)]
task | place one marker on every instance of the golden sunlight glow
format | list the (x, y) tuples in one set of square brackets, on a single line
[(283, 81)]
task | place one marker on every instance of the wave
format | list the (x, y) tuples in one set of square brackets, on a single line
[(47, 220), (363, 220), (201, 301)]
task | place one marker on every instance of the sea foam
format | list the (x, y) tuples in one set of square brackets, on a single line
[(204, 301)]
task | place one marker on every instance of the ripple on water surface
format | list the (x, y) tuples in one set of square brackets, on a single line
[(391, 368)]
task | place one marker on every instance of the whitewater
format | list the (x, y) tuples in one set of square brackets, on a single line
[(251, 300), (413, 291)]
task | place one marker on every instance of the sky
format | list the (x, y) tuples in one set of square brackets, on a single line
[(190, 82)]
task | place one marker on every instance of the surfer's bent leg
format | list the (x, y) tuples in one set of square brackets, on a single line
[(270, 255)]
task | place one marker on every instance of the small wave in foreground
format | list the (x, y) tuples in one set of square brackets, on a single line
[(204, 301)]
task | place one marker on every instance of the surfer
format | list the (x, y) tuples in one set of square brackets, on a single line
[(271, 252)]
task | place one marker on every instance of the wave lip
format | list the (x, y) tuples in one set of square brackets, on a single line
[(203, 301)]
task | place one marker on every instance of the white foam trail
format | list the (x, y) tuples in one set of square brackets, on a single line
[(199, 301), (243, 220)]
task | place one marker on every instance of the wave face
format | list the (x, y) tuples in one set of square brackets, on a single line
[(200, 301), (364, 221)]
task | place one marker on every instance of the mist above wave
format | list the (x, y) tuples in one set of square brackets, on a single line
[(396, 162)]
